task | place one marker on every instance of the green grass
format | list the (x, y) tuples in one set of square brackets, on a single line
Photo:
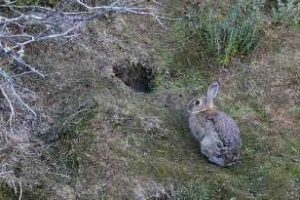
[(177, 156)]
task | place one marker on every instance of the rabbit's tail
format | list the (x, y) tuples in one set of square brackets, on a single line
[(230, 156), (225, 157)]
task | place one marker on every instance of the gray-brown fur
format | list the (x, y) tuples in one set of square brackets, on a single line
[(217, 133)]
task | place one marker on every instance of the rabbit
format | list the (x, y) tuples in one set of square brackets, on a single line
[(217, 133)]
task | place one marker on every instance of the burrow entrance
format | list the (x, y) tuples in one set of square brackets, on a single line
[(137, 76)]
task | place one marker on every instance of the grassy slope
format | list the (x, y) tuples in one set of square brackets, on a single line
[(135, 146)]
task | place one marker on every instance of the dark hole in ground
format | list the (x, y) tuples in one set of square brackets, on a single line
[(138, 77)]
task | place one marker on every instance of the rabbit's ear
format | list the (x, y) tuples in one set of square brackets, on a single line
[(212, 93)]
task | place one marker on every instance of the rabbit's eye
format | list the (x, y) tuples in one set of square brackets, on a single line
[(197, 102)]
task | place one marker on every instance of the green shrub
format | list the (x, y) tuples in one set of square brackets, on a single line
[(287, 11), (221, 37)]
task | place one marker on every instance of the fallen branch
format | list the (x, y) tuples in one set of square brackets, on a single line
[(11, 107)]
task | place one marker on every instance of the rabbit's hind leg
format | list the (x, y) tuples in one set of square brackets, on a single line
[(217, 160), (210, 147)]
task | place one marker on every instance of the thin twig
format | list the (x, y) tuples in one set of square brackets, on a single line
[(21, 190), (11, 107)]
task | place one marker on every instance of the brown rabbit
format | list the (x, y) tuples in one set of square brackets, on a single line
[(217, 133)]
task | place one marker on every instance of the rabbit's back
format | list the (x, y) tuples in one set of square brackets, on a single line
[(227, 130), (225, 150)]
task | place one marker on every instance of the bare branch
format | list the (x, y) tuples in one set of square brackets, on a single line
[(11, 107), (21, 190), (8, 90), (21, 100)]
